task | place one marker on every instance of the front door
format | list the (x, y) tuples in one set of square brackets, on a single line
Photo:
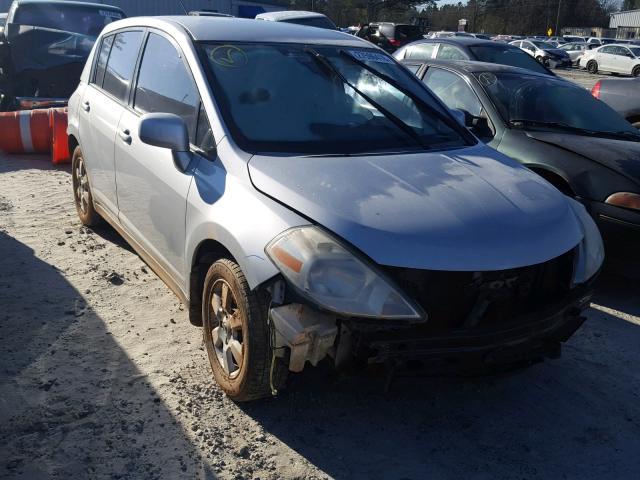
[(152, 191)]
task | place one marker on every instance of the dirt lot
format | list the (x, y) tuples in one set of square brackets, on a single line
[(581, 77), (102, 376)]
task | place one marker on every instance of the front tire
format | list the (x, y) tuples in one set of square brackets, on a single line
[(636, 71), (237, 334), (82, 191), (592, 67)]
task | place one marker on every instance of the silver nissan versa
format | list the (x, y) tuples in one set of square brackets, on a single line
[(310, 200)]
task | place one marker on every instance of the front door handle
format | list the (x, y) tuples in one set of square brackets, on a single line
[(125, 136), (86, 106)]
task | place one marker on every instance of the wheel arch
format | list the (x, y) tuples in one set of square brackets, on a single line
[(555, 178), (72, 142)]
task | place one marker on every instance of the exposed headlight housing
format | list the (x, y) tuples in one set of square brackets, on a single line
[(591, 250), (335, 279), (624, 199)]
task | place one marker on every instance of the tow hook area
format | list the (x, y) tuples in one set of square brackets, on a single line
[(309, 335)]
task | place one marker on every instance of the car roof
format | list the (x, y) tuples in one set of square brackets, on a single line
[(68, 2), (469, 66), (201, 28), (615, 45), (287, 15), (466, 41)]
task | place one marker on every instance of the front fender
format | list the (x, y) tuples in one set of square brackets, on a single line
[(229, 210)]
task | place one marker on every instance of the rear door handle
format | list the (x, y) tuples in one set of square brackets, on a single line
[(86, 106), (125, 136)]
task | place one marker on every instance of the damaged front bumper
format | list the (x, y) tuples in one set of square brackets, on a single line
[(311, 336)]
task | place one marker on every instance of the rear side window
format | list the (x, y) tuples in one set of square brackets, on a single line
[(103, 55), (449, 52), (422, 51), (610, 50), (165, 85), (122, 61)]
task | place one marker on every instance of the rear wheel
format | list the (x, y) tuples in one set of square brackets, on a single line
[(82, 191), (237, 335), (592, 67)]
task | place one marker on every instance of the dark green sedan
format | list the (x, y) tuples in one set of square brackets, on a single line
[(555, 128)]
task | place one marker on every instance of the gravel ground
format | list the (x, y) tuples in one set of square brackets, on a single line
[(101, 376)]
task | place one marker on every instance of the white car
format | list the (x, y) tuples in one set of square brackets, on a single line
[(299, 17), (613, 58), (575, 51)]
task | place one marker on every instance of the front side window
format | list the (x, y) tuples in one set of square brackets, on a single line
[(453, 90), (165, 85), (121, 63), (103, 56), (297, 99)]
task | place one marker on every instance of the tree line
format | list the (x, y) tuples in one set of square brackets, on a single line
[(527, 17)]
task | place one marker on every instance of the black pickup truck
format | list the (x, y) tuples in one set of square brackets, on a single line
[(43, 48)]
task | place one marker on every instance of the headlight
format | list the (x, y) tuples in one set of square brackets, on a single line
[(590, 251), (334, 278), (624, 199)]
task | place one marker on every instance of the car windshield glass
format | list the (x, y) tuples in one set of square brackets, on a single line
[(635, 51), (83, 19), (321, 100), (320, 22), (543, 45), (507, 55), (534, 102)]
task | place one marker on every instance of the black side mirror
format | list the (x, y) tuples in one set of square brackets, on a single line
[(166, 130)]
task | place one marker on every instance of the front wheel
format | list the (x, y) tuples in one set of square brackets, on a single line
[(82, 191), (592, 67), (636, 71), (237, 335)]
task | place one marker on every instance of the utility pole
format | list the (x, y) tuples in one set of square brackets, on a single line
[(558, 17), (546, 23)]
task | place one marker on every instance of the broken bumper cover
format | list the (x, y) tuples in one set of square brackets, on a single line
[(532, 337)]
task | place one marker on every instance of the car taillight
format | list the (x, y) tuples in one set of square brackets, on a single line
[(595, 91), (394, 42)]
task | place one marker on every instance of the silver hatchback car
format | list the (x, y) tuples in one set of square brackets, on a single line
[(309, 199)]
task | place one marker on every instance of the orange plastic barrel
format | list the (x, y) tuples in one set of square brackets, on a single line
[(59, 143), (25, 131)]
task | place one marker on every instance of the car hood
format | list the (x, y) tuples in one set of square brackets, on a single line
[(620, 156), (470, 209)]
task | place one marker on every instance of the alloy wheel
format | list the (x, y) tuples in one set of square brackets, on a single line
[(226, 329), (82, 186)]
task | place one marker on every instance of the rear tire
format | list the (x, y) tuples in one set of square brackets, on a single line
[(592, 67), (82, 191), (237, 336)]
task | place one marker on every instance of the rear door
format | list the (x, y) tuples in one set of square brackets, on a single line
[(102, 105), (152, 191), (606, 58)]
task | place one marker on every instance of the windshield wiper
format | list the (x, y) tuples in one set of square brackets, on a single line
[(326, 63), (619, 134), (401, 88)]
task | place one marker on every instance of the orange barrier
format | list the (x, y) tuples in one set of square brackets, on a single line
[(25, 131), (59, 143)]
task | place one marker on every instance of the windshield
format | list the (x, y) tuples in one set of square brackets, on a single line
[(319, 22), (543, 45), (507, 55), (81, 19), (321, 100), (635, 51), (540, 102)]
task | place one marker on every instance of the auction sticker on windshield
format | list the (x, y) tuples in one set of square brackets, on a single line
[(365, 56), (106, 13)]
